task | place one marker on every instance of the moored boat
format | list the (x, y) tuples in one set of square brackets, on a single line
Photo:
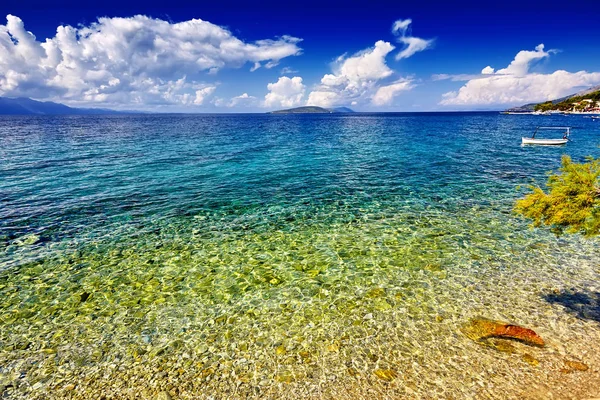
[(548, 141)]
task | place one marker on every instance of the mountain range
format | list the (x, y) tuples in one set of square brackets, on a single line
[(26, 106)]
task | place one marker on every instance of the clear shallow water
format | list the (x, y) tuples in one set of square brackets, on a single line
[(286, 256)]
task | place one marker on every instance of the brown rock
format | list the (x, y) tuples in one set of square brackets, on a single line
[(576, 366), (479, 329)]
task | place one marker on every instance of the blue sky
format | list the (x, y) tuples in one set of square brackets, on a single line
[(255, 57)]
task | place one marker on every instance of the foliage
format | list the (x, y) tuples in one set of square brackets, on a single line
[(572, 203), (567, 104), (547, 106)]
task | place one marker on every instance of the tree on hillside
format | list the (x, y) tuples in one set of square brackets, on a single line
[(572, 203)]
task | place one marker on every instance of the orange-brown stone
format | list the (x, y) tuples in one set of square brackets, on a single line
[(576, 365), (479, 329)]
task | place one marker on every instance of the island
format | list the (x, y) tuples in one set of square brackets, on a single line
[(313, 110)]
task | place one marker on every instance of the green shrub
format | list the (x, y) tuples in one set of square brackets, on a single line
[(572, 203)]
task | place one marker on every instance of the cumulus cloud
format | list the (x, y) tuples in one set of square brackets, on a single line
[(385, 94), (515, 84), (353, 78), (520, 65), (127, 61), (202, 94), (286, 92), (401, 28)]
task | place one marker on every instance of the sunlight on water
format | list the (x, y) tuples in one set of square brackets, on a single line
[(269, 257)]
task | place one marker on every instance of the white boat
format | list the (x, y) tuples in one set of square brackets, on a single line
[(548, 142)]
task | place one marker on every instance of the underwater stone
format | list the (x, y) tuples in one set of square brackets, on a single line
[(334, 347), (575, 366), (163, 396), (500, 345), (376, 292), (381, 305), (386, 374), (479, 329), (531, 360), (27, 240), (284, 377), (281, 350)]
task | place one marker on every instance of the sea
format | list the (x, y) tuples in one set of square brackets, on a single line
[(335, 256)]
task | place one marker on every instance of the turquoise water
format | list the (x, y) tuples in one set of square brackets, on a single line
[(283, 256)]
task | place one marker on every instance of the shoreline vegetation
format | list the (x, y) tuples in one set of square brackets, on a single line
[(583, 102), (572, 204)]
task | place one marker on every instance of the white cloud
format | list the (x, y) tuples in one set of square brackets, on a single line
[(202, 94), (413, 44), (133, 61), (324, 98), (520, 65), (286, 92), (385, 94), (242, 100), (454, 77), (355, 78), (288, 71), (218, 102), (515, 84), (400, 26)]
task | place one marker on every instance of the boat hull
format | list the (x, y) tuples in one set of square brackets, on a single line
[(544, 142)]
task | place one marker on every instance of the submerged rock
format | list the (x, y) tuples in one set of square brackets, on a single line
[(501, 345), (573, 366), (480, 329), (27, 240), (386, 374), (163, 396), (531, 360)]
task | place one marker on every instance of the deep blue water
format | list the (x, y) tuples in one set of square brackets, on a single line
[(61, 175)]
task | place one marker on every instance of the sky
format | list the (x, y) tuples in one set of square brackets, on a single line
[(229, 56)]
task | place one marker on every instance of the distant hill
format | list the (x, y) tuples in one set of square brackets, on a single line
[(313, 110), (532, 106), (587, 91), (26, 106), (342, 110)]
